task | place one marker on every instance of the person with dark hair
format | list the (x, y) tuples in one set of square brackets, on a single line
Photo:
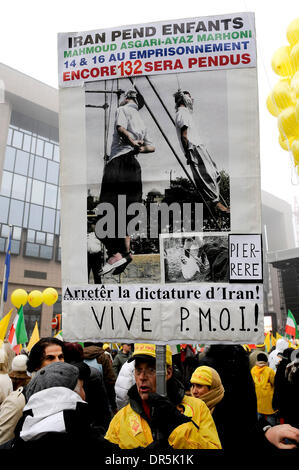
[(95, 391), (121, 357), (149, 419), (122, 176), (217, 256), (263, 377), (45, 351), (94, 355)]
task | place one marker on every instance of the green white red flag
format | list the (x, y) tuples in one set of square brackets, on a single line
[(291, 329), (18, 334)]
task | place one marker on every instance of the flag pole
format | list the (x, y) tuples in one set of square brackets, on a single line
[(4, 274), (2, 293)]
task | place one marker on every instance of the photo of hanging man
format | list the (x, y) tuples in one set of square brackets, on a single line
[(158, 162), (122, 176)]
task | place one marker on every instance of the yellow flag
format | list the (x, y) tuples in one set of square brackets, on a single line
[(267, 342), (273, 340), (4, 324), (278, 336), (34, 337)]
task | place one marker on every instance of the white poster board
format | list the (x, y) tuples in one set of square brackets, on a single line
[(177, 288)]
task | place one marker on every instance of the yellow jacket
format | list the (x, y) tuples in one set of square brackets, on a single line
[(264, 388), (130, 430)]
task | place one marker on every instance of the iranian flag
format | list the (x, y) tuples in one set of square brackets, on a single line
[(291, 326), (18, 334)]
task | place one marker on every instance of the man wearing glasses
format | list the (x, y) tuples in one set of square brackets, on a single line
[(149, 419)]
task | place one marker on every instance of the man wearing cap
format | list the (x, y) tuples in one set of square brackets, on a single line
[(177, 420), (122, 176)]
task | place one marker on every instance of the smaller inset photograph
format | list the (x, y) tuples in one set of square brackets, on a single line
[(194, 257)]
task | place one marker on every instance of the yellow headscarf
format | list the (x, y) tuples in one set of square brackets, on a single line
[(205, 375)]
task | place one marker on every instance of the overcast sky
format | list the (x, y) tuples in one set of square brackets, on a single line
[(28, 38)]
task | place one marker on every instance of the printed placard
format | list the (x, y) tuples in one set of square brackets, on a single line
[(186, 45), (245, 258), (153, 183)]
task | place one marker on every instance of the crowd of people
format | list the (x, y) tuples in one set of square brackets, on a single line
[(72, 394)]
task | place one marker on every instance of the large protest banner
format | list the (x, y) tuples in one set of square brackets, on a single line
[(160, 182)]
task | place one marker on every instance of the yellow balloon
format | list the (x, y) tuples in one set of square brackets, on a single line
[(295, 57), (35, 298), (282, 94), (50, 296), (293, 32), (297, 111), (281, 62), (287, 122), (285, 143), (272, 107), (295, 151), (19, 297), (295, 85)]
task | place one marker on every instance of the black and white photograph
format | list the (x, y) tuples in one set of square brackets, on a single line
[(154, 141), (195, 257)]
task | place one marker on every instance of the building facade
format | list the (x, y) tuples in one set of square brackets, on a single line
[(29, 191)]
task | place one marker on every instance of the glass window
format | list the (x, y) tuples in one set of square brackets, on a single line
[(26, 212), (46, 252), (6, 183), (31, 236), (50, 239), (16, 212), (18, 187), (9, 162), (40, 168), (2, 244), (35, 217), (39, 147), (48, 150), (31, 165), (9, 136), (37, 193), (5, 231), (27, 142), (53, 172), (40, 237), (28, 190), (33, 144), (15, 247), (17, 233), (4, 204), (17, 139), (22, 161), (51, 195), (32, 250), (49, 220), (56, 153)]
